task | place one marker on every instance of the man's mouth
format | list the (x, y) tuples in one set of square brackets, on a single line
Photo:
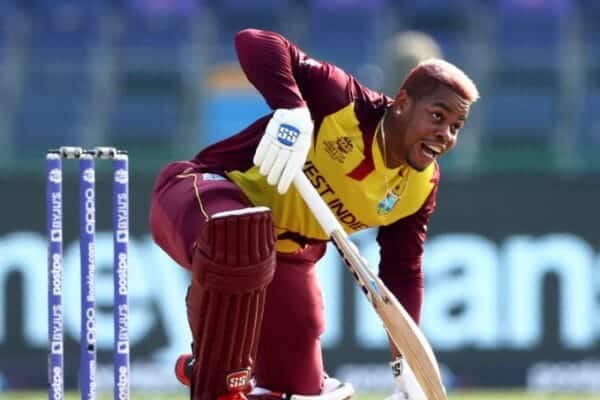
[(431, 150)]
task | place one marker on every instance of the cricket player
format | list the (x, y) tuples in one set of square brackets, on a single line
[(231, 216)]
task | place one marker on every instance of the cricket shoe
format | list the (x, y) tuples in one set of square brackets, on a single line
[(233, 396), (333, 389), (184, 367)]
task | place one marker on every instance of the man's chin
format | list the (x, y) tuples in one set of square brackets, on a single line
[(419, 166)]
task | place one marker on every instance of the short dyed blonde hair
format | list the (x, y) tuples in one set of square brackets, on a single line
[(423, 79)]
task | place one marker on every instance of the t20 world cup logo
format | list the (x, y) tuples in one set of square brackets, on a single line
[(55, 175), (121, 176), (89, 175)]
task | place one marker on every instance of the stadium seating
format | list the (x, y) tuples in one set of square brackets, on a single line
[(144, 119), (131, 71), (589, 120), (58, 82), (155, 52), (349, 27), (516, 115), (450, 23), (590, 36), (523, 104), (230, 16), (6, 16)]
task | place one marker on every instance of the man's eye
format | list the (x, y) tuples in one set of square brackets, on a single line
[(455, 128), (436, 116)]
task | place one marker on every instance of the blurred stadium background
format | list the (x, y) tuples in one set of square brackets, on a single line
[(513, 260)]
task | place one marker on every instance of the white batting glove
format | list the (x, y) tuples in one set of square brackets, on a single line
[(406, 386), (284, 146)]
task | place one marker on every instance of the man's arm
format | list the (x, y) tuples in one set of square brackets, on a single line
[(288, 78), (401, 249), (267, 59), (301, 91)]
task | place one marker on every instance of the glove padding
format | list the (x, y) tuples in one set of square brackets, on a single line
[(284, 147)]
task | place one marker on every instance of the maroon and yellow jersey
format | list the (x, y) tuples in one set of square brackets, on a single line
[(345, 163)]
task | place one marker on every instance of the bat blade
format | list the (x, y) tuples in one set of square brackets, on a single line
[(413, 346), (402, 330)]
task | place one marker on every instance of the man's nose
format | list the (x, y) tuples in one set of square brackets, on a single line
[(444, 133)]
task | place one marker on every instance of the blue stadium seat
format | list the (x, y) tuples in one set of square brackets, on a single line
[(12, 25), (588, 119), (232, 16), (449, 22), (587, 129), (523, 101), (4, 32), (151, 68), (64, 27), (48, 119), (345, 32), (160, 8), (527, 35), (145, 119), (589, 11), (520, 116), (256, 6), (7, 9), (68, 79), (155, 30), (57, 79), (153, 41)]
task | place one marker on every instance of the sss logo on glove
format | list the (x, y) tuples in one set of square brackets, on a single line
[(287, 134), (284, 146)]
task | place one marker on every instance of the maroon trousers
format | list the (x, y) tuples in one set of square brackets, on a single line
[(289, 355)]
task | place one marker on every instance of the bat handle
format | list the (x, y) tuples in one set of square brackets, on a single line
[(315, 203)]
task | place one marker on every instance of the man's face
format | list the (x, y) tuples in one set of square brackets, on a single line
[(419, 131)]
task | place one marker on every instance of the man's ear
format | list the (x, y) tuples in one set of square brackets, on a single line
[(400, 102)]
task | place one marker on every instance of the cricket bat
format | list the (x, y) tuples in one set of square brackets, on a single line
[(404, 333)]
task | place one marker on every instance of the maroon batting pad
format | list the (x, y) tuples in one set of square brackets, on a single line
[(233, 263)]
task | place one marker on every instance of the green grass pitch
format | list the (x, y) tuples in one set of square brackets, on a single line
[(479, 395)]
